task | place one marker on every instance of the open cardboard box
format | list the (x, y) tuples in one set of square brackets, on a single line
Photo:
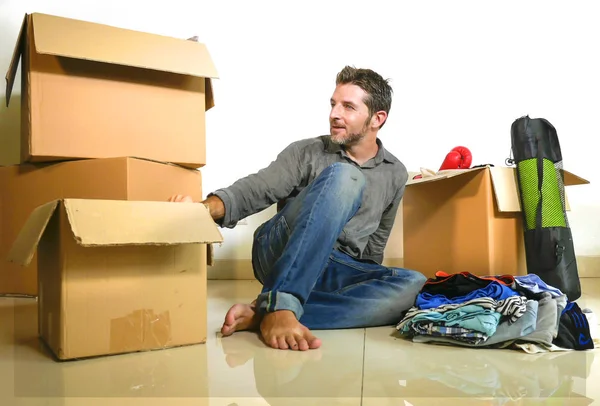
[(27, 186), (118, 276), (94, 91), (467, 220)]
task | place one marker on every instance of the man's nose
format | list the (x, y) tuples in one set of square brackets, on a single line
[(335, 113)]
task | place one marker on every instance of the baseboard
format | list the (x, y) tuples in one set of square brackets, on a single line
[(588, 267)]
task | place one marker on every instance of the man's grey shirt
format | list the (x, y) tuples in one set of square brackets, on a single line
[(366, 234)]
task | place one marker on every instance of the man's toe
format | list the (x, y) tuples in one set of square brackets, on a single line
[(291, 341), (302, 344), (282, 344), (314, 343)]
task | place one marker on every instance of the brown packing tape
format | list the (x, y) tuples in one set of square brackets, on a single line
[(140, 330)]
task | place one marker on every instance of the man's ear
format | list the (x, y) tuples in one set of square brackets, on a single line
[(378, 119)]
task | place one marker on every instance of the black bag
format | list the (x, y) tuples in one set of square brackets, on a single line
[(548, 242)]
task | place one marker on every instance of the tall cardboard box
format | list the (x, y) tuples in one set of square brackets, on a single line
[(94, 91), (118, 276), (466, 220), (25, 187)]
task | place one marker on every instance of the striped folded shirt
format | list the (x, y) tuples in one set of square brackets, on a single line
[(513, 307)]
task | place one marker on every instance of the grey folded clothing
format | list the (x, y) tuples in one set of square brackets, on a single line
[(561, 303), (548, 317)]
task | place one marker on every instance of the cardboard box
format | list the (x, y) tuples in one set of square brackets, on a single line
[(95, 91), (181, 373), (466, 220), (118, 276), (25, 187)]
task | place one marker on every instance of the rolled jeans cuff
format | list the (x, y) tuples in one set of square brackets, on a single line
[(272, 301)]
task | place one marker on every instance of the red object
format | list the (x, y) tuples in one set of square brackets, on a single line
[(458, 158)]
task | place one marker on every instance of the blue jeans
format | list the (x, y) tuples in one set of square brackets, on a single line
[(293, 256)]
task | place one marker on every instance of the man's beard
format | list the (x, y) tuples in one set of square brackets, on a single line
[(349, 139), (352, 138)]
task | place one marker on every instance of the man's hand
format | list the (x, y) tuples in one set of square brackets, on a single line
[(181, 199), (215, 206)]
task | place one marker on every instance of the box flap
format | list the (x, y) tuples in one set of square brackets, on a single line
[(440, 175), (208, 92), (210, 255), (506, 192), (506, 189), (103, 43), (122, 222), (571, 179), (14, 63), (25, 245)]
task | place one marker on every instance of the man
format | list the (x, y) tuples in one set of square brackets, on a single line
[(319, 258)]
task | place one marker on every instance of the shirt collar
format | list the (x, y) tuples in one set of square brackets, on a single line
[(382, 154)]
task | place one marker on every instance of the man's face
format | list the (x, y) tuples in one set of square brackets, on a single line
[(349, 119)]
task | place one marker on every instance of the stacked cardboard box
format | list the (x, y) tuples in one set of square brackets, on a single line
[(112, 125)]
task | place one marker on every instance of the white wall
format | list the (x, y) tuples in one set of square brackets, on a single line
[(462, 72)]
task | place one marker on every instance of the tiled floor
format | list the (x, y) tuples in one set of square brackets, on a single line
[(354, 367)]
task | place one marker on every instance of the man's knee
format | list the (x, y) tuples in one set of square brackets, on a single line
[(411, 280), (347, 179), (346, 173), (417, 280)]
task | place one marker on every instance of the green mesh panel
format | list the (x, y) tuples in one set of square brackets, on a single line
[(552, 195)]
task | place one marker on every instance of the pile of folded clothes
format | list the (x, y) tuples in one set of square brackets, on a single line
[(517, 312)]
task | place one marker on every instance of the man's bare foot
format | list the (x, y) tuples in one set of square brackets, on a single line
[(239, 318), (282, 330)]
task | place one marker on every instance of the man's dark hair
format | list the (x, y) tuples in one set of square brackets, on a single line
[(379, 92)]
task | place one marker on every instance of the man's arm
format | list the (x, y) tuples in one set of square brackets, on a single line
[(378, 240), (268, 186), (258, 191)]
